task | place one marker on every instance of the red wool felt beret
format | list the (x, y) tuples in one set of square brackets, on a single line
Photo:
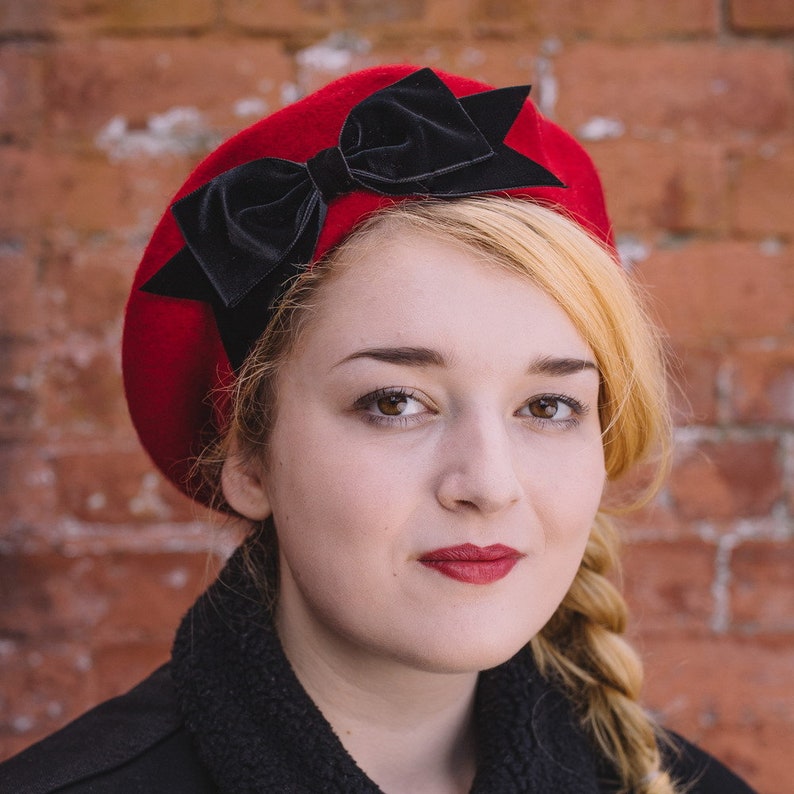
[(278, 195)]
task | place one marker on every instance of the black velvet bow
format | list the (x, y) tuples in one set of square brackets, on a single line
[(251, 229)]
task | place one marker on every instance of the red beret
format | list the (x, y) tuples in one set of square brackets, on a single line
[(174, 356)]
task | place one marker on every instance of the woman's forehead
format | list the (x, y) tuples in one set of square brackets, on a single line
[(424, 291)]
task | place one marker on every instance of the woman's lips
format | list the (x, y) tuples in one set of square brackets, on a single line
[(472, 564)]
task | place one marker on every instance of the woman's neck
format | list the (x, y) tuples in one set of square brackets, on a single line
[(407, 729)]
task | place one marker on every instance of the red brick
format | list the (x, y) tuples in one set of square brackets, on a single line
[(26, 493), (92, 280), (110, 598), (84, 194), (679, 186), (17, 408), (20, 299), (497, 62), (21, 91), (762, 598), (79, 630), (93, 83), (688, 88), (374, 12), (668, 585), (24, 174), (761, 196), (95, 195), (82, 17), (731, 479), (730, 694), (41, 688), (152, 15), (771, 16), (762, 386), (708, 292), (29, 18), (290, 16), (694, 389), (655, 521), (116, 487), (577, 18), (81, 391)]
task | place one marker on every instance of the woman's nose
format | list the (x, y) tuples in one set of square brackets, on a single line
[(478, 467)]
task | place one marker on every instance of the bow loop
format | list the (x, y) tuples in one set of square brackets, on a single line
[(409, 131)]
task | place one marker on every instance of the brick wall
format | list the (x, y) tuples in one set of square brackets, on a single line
[(687, 107)]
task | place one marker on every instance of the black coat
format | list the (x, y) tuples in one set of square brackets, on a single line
[(228, 716)]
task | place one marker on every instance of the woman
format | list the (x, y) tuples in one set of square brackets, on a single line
[(419, 427)]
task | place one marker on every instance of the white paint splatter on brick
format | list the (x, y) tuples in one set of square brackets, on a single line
[(250, 106), (472, 56), (290, 92), (148, 500), (96, 501), (631, 251), (83, 663), (178, 131), (601, 128), (22, 723), (547, 88), (176, 579), (334, 53), (771, 246)]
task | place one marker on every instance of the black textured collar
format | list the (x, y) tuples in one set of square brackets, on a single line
[(258, 731)]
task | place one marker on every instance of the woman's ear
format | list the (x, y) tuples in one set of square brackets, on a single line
[(244, 488)]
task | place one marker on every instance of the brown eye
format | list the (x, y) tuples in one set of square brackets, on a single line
[(392, 404), (544, 407), (554, 408)]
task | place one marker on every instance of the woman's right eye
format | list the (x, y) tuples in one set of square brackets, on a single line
[(387, 405)]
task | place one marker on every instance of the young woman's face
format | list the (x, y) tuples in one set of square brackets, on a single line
[(436, 462)]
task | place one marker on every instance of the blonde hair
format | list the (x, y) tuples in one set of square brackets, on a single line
[(581, 647)]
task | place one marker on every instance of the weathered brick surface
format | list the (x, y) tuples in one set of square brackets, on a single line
[(722, 292), (687, 107), (625, 20), (683, 88), (731, 694), (679, 186), (727, 479), (771, 16), (761, 193), (762, 598)]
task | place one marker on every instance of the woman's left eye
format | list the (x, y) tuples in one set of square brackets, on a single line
[(553, 408)]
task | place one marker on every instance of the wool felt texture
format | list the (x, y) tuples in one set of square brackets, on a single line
[(173, 359)]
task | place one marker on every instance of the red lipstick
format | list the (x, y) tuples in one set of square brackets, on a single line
[(473, 564)]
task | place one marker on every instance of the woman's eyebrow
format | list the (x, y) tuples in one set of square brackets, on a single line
[(550, 365), (428, 357), (407, 356)]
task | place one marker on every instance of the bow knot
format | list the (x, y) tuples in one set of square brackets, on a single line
[(330, 174)]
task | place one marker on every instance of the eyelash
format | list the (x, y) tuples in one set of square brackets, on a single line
[(364, 403), (578, 409)]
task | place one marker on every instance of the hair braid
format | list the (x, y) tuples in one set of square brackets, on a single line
[(583, 648)]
